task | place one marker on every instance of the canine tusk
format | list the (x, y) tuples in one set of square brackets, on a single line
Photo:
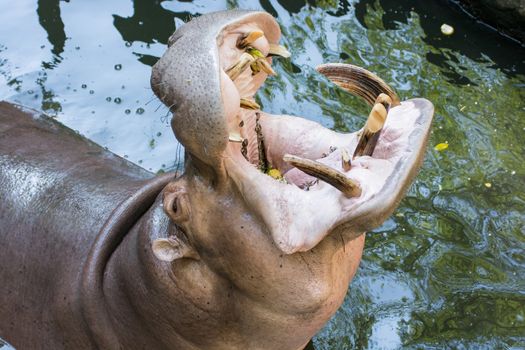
[(279, 50), (358, 81), (248, 38), (325, 173), (237, 68)]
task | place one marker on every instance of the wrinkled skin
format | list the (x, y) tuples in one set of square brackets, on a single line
[(226, 257)]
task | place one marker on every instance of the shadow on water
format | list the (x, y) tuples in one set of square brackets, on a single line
[(49, 18), (478, 42), (447, 270)]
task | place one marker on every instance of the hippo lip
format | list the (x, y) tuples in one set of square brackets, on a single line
[(298, 210)]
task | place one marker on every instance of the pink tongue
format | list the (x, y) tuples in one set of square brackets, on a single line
[(298, 178)]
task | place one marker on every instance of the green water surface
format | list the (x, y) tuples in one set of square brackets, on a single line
[(447, 270)]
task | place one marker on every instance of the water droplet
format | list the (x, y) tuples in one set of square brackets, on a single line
[(118, 67), (30, 92), (127, 111), (158, 134), (108, 99), (139, 110), (128, 43), (91, 92), (513, 172), (117, 100), (84, 86)]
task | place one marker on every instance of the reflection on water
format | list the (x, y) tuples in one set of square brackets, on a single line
[(447, 270)]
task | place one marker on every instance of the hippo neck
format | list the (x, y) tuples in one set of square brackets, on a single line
[(94, 301)]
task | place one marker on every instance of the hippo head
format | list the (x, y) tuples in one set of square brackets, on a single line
[(273, 204)]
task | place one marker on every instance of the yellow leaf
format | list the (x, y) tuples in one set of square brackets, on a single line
[(275, 173), (441, 146)]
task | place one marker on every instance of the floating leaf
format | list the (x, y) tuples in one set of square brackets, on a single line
[(441, 146), (275, 173), (447, 29)]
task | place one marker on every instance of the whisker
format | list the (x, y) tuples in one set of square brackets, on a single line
[(151, 100)]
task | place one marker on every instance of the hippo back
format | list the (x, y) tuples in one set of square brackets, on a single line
[(57, 189)]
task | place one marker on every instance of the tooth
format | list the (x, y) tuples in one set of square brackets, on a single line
[(237, 68), (358, 81), (385, 100), (345, 160), (255, 68), (326, 174), (248, 38), (265, 66), (249, 104), (235, 137), (368, 139), (278, 50)]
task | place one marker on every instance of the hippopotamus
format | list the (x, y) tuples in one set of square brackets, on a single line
[(252, 246)]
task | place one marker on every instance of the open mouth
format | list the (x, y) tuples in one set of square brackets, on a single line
[(334, 171), (303, 180)]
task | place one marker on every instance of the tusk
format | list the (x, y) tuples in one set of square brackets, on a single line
[(237, 68), (371, 131), (345, 160), (325, 173), (265, 66), (279, 50), (248, 104), (234, 137), (358, 81), (248, 38)]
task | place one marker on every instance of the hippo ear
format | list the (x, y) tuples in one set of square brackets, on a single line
[(170, 249)]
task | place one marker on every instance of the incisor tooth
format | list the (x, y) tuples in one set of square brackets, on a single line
[(248, 38), (249, 104), (278, 50), (240, 66), (325, 173), (265, 66), (345, 160)]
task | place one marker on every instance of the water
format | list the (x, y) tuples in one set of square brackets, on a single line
[(447, 270)]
